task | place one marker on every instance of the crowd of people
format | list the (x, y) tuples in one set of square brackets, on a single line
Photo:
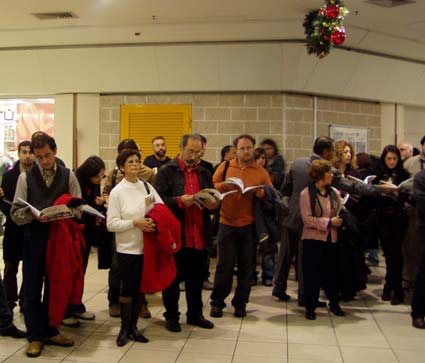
[(156, 224)]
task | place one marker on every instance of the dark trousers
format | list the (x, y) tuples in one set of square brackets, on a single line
[(190, 264), (34, 271), (320, 269), (6, 316), (392, 233), (114, 282), (11, 283), (234, 244), (287, 253), (130, 269), (418, 300)]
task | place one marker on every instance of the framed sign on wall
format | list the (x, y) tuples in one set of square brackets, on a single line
[(355, 135)]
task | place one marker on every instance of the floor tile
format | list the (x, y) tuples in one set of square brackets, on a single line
[(202, 346), (133, 356), (361, 355), (189, 357), (312, 352), (260, 349)]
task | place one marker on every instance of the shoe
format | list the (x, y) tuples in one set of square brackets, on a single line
[(240, 311), (336, 310), (207, 285), (34, 349), (268, 282), (60, 341), (397, 300), (85, 316), (173, 325), (310, 315), (216, 311), (283, 296), (201, 322), (418, 323), (386, 296), (71, 322), (144, 312), (13, 332), (114, 311)]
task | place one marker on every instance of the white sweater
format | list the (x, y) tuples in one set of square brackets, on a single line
[(126, 202)]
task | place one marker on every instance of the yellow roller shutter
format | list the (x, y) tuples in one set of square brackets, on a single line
[(143, 122)]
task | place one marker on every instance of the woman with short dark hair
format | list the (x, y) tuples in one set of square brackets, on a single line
[(319, 206), (129, 202)]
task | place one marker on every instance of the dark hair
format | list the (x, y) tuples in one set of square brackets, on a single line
[(323, 143), (203, 140), (416, 151), (423, 140), (318, 169), (272, 143), (124, 155), (363, 160), (224, 151), (40, 139), (22, 144), (185, 138), (258, 152), (158, 138), (395, 150), (244, 136), (88, 169), (127, 144)]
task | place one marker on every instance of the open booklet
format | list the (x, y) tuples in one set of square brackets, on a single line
[(343, 202), (404, 186), (367, 180), (59, 211), (239, 183), (209, 195)]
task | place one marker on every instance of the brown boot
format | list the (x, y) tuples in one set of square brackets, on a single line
[(60, 341), (114, 311), (34, 349)]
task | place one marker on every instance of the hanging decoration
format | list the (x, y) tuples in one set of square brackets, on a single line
[(324, 27)]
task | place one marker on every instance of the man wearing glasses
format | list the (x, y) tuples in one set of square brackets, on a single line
[(177, 182)]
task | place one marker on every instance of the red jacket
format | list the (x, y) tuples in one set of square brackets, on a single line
[(159, 269), (64, 264)]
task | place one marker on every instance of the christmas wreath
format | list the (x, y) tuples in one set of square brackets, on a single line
[(324, 27)]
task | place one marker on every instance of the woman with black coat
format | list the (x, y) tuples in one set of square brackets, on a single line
[(392, 222)]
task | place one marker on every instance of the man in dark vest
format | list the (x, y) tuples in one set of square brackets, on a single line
[(40, 186), (13, 234)]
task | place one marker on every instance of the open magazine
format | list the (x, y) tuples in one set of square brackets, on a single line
[(343, 202), (209, 195), (59, 211), (404, 186), (239, 183), (367, 180)]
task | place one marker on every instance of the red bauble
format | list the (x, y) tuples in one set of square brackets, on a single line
[(332, 11), (338, 36)]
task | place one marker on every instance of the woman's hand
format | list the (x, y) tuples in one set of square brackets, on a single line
[(336, 221), (145, 224), (99, 200)]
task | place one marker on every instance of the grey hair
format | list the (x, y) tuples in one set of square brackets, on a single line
[(185, 138)]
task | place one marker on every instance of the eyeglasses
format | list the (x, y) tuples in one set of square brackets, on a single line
[(193, 152)]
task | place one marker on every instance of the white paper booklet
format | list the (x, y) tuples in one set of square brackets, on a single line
[(367, 180), (52, 213), (239, 183)]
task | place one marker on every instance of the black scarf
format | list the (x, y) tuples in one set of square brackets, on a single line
[(316, 207)]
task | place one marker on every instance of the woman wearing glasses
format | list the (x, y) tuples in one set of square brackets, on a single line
[(129, 202)]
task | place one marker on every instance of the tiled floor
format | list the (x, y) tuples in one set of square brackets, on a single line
[(273, 332)]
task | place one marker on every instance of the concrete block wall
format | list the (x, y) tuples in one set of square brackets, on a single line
[(220, 117)]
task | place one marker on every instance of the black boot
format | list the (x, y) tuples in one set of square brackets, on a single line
[(138, 301), (126, 311)]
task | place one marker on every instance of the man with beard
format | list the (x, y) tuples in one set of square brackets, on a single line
[(158, 158), (13, 235), (177, 182), (235, 236)]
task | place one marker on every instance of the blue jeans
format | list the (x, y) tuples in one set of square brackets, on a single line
[(6, 316)]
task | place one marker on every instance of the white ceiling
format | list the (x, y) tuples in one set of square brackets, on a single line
[(398, 31)]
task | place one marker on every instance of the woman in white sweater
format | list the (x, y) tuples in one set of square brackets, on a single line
[(129, 202)]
